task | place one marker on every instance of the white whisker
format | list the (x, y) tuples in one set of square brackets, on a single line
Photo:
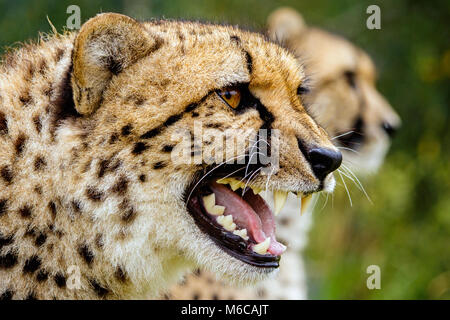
[(349, 149), (325, 204), (359, 182), (348, 193), (206, 174), (248, 181), (341, 135)]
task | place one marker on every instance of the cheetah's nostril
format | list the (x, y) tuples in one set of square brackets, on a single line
[(389, 129), (324, 161)]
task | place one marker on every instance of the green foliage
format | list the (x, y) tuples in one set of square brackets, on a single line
[(406, 229)]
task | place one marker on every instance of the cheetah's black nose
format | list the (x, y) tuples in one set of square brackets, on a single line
[(323, 161), (389, 129)]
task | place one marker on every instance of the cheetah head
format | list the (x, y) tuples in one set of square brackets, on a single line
[(165, 99)]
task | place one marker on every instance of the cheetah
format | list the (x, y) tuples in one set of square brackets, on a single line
[(94, 203), (344, 100)]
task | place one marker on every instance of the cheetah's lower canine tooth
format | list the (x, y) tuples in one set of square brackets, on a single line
[(279, 198), (261, 248)]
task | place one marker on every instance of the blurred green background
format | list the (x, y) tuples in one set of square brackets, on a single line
[(407, 229)]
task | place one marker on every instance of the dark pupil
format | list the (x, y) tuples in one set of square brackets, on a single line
[(228, 94)]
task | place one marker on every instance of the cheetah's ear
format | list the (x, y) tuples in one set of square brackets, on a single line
[(285, 24), (105, 45)]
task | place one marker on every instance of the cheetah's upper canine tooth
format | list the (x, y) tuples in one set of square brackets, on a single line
[(261, 248), (241, 233), (279, 198), (299, 196), (226, 222), (305, 202), (209, 202)]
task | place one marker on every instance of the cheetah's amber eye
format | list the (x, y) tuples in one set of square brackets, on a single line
[(231, 95)]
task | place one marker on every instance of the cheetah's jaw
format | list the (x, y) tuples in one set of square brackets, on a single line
[(234, 215), (244, 211)]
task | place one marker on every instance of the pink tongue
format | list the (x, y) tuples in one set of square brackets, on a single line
[(259, 225)]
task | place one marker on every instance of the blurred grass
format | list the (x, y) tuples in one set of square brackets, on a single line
[(407, 229)]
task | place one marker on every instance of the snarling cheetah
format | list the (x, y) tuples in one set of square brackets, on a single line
[(345, 101), (93, 202)]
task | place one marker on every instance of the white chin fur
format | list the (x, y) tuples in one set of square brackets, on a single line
[(329, 183)]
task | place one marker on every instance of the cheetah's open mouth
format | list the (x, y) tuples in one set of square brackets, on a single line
[(237, 219)]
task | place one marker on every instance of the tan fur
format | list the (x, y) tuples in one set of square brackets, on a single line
[(335, 105), (85, 181)]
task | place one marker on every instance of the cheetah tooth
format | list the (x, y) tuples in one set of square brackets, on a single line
[(226, 222), (261, 248), (218, 210), (256, 190), (236, 184), (209, 202), (223, 180), (279, 198), (299, 196), (305, 202), (241, 233)]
